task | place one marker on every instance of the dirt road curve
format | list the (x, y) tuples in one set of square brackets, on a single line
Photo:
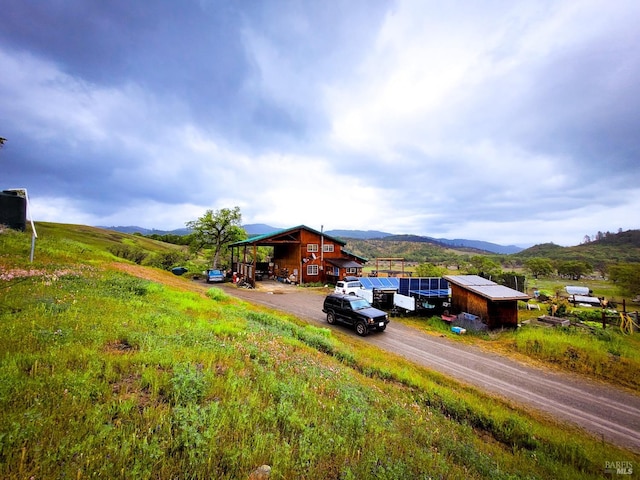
[(605, 411)]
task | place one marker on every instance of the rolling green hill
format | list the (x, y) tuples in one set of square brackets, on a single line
[(113, 369), (411, 251), (614, 248)]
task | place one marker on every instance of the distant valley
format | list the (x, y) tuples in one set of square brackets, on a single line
[(261, 229)]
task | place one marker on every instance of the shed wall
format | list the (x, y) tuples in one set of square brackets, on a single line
[(465, 301), (503, 313), (494, 314)]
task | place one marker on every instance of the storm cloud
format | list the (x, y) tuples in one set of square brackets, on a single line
[(510, 122)]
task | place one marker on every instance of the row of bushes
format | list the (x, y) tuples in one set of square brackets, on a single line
[(165, 260)]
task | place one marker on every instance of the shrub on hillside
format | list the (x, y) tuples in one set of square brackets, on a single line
[(133, 254), (166, 260), (217, 294)]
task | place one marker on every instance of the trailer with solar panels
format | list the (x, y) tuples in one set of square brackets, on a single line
[(430, 295), (379, 291), (405, 295)]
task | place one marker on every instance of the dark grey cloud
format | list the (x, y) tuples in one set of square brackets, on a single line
[(158, 43), (197, 52), (514, 120), (174, 49)]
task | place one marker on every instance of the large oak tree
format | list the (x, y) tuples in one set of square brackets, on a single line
[(627, 277), (539, 266), (215, 230)]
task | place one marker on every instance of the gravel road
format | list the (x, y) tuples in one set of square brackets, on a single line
[(605, 411)]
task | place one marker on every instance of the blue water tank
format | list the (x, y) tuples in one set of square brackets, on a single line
[(13, 210)]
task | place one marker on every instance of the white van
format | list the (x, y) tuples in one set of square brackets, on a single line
[(350, 287)]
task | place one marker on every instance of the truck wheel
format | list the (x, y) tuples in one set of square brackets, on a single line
[(361, 329), (331, 318)]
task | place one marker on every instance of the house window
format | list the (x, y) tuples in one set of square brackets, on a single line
[(352, 270), (312, 247), (312, 269), (328, 247)]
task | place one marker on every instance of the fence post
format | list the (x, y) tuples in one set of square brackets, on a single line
[(604, 320)]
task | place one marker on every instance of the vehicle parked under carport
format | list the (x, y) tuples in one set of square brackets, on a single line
[(214, 276)]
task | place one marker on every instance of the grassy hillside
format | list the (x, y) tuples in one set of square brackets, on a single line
[(617, 248), (115, 370), (91, 244), (411, 251), (614, 248)]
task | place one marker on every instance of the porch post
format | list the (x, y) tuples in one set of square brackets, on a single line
[(255, 264), (244, 262)]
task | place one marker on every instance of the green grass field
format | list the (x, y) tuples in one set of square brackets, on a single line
[(108, 375)]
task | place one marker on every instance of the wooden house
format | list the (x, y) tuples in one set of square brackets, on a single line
[(299, 255), (496, 305)]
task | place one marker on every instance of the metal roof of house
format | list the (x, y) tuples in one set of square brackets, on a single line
[(354, 255), (266, 236), (343, 263), (486, 288)]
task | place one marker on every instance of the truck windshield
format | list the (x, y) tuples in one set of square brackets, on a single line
[(359, 304)]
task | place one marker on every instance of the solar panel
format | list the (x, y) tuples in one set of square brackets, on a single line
[(380, 283), (426, 287), (431, 293), (389, 282), (366, 283)]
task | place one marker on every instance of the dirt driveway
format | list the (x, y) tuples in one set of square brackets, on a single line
[(606, 412)]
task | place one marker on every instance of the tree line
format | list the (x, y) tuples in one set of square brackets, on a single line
[(599, 236)]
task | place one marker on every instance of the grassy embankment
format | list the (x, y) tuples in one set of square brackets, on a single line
[(584, 348), (109, 375), (588, 349)]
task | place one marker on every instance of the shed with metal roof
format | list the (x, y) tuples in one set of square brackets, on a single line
[(495, 304)]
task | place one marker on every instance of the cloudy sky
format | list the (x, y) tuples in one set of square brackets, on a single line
[(514, 122)]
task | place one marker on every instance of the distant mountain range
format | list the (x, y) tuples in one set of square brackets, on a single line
[(146, 231), (261, 229), (459, 243)]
